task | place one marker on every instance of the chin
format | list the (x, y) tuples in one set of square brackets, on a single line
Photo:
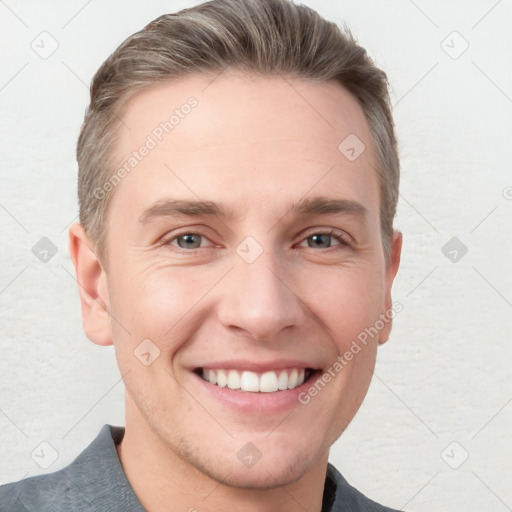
[(270, 474), (270, 468)]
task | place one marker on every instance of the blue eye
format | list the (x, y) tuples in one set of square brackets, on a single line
[(188, 241), (321, 240)]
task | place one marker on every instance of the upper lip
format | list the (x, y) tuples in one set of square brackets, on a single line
[(255, 366)]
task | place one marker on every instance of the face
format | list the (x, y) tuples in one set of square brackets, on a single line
[(245, 254)]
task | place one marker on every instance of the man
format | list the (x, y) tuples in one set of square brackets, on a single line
[(238, 179)]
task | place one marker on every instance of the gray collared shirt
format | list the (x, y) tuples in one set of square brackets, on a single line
[(95, 482)]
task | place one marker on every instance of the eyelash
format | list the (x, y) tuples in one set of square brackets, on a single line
[(340, 238)]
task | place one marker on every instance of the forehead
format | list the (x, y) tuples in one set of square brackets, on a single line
[(232, 105), (240, 136)]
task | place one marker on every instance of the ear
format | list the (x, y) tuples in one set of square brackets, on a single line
[(391, 270), (92, 286)]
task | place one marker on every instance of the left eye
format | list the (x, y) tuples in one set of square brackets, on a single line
[(188, 241), (323, 240)]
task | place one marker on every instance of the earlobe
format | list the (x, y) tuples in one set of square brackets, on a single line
[(391, 271), (92, 287)]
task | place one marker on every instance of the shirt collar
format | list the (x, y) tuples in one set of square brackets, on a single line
[(98, 467)]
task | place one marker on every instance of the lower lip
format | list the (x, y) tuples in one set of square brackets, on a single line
[(257, 403)]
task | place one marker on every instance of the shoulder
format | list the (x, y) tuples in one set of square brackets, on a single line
[(85, 485), (41, 493), (348, 498)]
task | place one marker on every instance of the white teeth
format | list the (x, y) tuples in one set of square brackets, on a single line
[(222, 378), (212, 376), (233, 379), (282, 382), (250, 382), (267, 382), (292, 379)]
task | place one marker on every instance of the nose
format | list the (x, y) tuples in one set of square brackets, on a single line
[(258, 299)]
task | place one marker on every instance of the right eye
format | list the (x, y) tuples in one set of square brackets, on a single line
[(187, 241)]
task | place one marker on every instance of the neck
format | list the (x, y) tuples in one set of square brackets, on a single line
[(160, 477)]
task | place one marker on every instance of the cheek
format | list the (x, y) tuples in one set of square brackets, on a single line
[(349, 302), (151, 325), (156, 303)]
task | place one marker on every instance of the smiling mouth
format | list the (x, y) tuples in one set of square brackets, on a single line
[(247, 381)]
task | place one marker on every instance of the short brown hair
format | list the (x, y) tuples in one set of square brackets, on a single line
[(269, 37)]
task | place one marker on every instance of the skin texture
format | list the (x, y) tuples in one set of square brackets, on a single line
[(256, 145)]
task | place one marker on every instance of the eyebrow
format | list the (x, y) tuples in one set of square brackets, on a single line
[(312, 206), (325, 206), (177, 208)]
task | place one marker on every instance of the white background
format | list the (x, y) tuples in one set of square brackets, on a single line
[(445, 374)]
